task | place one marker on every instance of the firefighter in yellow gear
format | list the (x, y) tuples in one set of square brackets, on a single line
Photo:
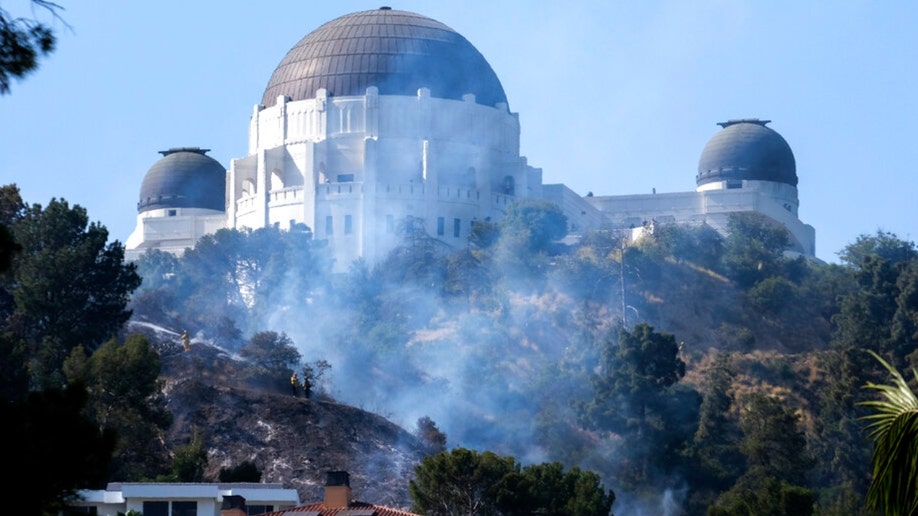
[(294, 383)]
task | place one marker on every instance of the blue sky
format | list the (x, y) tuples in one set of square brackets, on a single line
[(613, 97)]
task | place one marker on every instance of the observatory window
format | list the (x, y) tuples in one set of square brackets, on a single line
[(734, 184), (348, 225), (457, 225), (390, 224), (440, 226), (329, 225), (345, 178), (172, 213)]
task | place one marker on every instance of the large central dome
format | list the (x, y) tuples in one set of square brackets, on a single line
[(398, 52)]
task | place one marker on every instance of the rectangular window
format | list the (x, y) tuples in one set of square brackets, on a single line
[(329, 226), (457, 226), (345, 178), (258, 509), (390, 224), (172, 213), (347, 225), (155, 508), (440, 226), (184, 509)]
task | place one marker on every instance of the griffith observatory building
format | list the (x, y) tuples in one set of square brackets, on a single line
[(384, 115)]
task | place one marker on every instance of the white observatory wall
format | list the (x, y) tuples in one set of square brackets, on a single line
[(354, 168), (782, 194), (712, 205), (172, 230)]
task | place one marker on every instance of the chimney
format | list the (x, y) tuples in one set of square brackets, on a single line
[(232, 505), (337, 490)]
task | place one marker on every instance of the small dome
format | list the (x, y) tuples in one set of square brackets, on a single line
[(184, 178), (396, 51), (746, 149)]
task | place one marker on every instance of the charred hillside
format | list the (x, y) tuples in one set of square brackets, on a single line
[(292, 440)]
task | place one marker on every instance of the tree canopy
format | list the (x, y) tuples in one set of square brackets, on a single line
[(54, 449), (466, 482), (125, 395), (533, 224), (754, 248), (70, 286), (22, 42)]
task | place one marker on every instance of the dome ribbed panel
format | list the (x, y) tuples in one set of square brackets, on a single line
[(396, 51)]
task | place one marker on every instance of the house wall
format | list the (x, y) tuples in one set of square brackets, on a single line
[(120, 498)]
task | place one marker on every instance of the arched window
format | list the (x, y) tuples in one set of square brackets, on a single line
[(470, 177), (508, 185), (277, 180), (248, 187)]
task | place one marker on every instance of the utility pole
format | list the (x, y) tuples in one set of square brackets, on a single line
[(621, 271)]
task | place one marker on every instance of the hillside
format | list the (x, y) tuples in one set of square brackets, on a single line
[(294, 441), (688, 361), (533, 353)]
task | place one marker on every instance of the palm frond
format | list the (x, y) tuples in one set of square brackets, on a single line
[(893, 428)]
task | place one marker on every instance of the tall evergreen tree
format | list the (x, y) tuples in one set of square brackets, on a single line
[(876, 315), (637, 369), (70, 286), (458, 482), (634, 397), (866, 320), (126, 397), (773, 442), (714, 450), (775, 449)]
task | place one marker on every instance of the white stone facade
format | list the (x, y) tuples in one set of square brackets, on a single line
[(712, 204), (172, 230), (353, 168)]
